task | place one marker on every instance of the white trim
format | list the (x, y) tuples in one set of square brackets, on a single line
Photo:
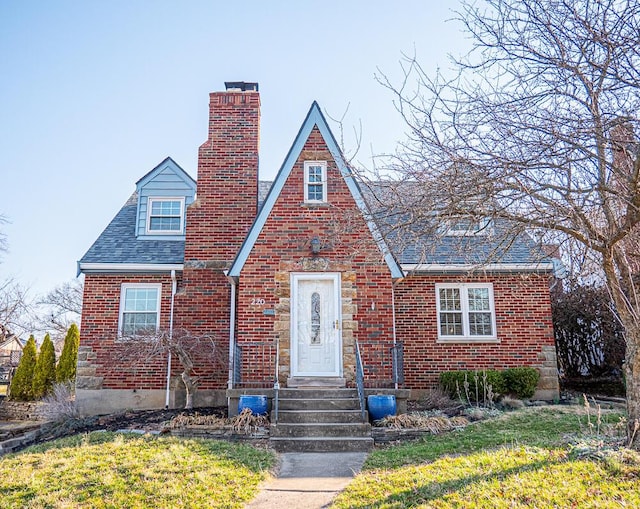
[(296, 277), (124, 287), (469, 267), (130, 267), (323, 181), (150, 200), (464, 311)]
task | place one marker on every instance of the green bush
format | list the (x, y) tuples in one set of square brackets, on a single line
[(453, 383), (521, 382), (66, 368), (20, 389), (44, 374)]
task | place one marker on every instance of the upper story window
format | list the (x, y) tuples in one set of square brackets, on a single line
[(315, 181), (165, 215), (467, 226), (139, 308), (466, 312)]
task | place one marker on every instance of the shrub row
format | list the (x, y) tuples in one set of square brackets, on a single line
[(489, 384)]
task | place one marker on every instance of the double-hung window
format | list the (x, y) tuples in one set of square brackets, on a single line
[(315, 181), (139, 308), (466, 312), (166, 215)]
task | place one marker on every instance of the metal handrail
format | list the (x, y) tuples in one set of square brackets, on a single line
[(360, 381), (276, 387)]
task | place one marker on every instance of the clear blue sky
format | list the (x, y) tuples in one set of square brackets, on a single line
[(94, 94)]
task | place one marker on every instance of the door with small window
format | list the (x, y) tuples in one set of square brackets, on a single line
[(315, 325)]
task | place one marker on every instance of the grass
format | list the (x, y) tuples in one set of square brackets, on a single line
[(109, 470), (548, 457)]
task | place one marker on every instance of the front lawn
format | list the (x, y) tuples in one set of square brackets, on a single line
[(534, 457), (110, 470)]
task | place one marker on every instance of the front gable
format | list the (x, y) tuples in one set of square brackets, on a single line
[(315, 190)]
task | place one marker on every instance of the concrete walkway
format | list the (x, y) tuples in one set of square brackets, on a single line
[(308, 480)]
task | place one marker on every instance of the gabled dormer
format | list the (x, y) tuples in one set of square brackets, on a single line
[(163, 197)]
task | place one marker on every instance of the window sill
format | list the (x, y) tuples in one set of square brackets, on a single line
[(467, 340), (315, 204)]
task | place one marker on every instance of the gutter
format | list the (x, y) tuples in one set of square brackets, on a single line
[(468, 267), (174, 287)]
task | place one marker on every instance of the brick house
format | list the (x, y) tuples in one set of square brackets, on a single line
[(294, 278)]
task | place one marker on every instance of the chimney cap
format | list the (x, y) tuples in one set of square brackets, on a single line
[(241, 86)]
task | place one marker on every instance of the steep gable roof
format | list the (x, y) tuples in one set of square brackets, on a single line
[(314, 118)]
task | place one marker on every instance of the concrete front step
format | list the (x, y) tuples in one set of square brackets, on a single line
[(324, 444), (315, 393), (320, 416), (318, 404), (318, 430)]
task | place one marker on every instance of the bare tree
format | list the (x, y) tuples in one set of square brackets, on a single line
[(61, 307), (15, 309), (538, 128), (3, 237), (194, 352)]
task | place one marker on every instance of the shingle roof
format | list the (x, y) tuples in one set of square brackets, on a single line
[(497, 246), (118, 242)]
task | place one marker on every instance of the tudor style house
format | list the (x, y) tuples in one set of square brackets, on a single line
[(295, 282)]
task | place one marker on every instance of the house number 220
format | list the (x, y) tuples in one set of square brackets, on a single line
[(257, 302)]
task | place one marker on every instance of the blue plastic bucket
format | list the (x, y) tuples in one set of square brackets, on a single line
[(381, 406), (257, 404)]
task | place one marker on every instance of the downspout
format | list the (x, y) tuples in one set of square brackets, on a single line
[(174, 287), (232, 332), (393, 318)]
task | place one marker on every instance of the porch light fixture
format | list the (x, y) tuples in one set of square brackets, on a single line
[(315, 245)]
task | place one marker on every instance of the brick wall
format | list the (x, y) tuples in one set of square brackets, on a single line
[(106, 361), (523, 323), (347, 247)]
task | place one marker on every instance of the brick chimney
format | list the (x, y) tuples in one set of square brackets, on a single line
[(227, 194)]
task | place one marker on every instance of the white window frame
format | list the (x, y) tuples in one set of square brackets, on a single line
[(153, 199), (140, 286), (307, 166), (464, 304), (478, 227)]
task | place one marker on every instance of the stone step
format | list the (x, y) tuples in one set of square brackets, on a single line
[(320, 416), (315, 393), (318, 404), (18, 441), (317, 430), (324, 444)]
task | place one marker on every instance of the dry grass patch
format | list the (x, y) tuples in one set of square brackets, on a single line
[(109, 470), (534, 457)]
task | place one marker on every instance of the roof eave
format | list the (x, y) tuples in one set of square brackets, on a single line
[(119, 268)]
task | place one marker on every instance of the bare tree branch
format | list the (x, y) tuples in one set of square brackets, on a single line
[(537, 129)]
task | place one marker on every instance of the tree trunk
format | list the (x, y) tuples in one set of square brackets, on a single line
[(190, 384), (627, 314), (632, 381)]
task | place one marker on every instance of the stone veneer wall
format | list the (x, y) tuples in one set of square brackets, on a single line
[(282, 325), (22, 410)]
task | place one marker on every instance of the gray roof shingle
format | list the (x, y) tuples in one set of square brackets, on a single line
[(118, 242)]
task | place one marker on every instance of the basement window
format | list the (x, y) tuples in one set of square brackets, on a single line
[(315, 181)]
